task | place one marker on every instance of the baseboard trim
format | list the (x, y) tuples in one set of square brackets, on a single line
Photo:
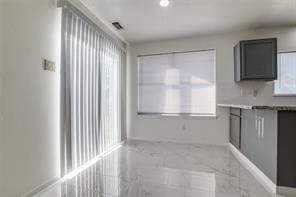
[(41, 187), (255, 171), (287, 191), (174, 141)]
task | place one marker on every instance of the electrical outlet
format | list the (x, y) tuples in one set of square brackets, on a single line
[(184, 127), (255, 93), (48, 65)]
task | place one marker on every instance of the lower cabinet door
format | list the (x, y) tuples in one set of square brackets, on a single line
[(235, 127), (287, 148), (259, 140)]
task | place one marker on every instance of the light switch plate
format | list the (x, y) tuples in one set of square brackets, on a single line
[(48, 65)]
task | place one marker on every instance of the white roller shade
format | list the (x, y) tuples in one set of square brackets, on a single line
[(286, 83), (178, 83)]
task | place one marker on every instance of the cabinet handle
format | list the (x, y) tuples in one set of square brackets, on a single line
[(262, 127)]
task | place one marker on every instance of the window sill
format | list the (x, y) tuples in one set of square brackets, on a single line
[(284, 95), (179, 116)]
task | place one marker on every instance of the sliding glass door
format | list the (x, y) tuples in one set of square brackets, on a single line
[(91, 89)]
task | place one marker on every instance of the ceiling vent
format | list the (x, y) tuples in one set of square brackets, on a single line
[(117, 25)]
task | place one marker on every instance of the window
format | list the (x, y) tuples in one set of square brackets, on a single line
[(177, 83), (286, 83)]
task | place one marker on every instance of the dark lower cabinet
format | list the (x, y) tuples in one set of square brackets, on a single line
[(287, 148), (235, 127)]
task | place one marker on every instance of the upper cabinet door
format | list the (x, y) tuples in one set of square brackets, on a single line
[(256, 60)]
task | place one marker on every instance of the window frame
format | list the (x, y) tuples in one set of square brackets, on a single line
[(183, 115), (274, 82)]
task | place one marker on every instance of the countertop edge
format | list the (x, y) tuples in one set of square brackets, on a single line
[(262, 107), (235, 106)]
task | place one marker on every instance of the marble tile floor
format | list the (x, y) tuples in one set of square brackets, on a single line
[(158, 169)]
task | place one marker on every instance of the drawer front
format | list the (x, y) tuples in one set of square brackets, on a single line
[(235, 111)]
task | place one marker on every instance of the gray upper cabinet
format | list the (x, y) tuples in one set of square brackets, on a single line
[(255, 60)]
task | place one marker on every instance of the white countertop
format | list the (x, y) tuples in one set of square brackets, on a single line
[(274, 103)]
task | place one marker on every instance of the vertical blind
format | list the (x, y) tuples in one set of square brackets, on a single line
[(91, 90), (177, 83), (286, 83)]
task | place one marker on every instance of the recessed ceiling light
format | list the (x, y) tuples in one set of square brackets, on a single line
[(164, 3)]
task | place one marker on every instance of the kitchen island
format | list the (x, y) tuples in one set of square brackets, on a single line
[(265, 134)]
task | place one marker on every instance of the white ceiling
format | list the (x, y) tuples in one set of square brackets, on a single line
[(145, 20)]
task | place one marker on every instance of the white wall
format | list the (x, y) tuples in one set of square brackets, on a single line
[(199, 130), (90, 8), (30, 94), (1, 82), (29, 132)]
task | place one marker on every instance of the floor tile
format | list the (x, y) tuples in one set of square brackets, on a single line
[(158, 169)]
